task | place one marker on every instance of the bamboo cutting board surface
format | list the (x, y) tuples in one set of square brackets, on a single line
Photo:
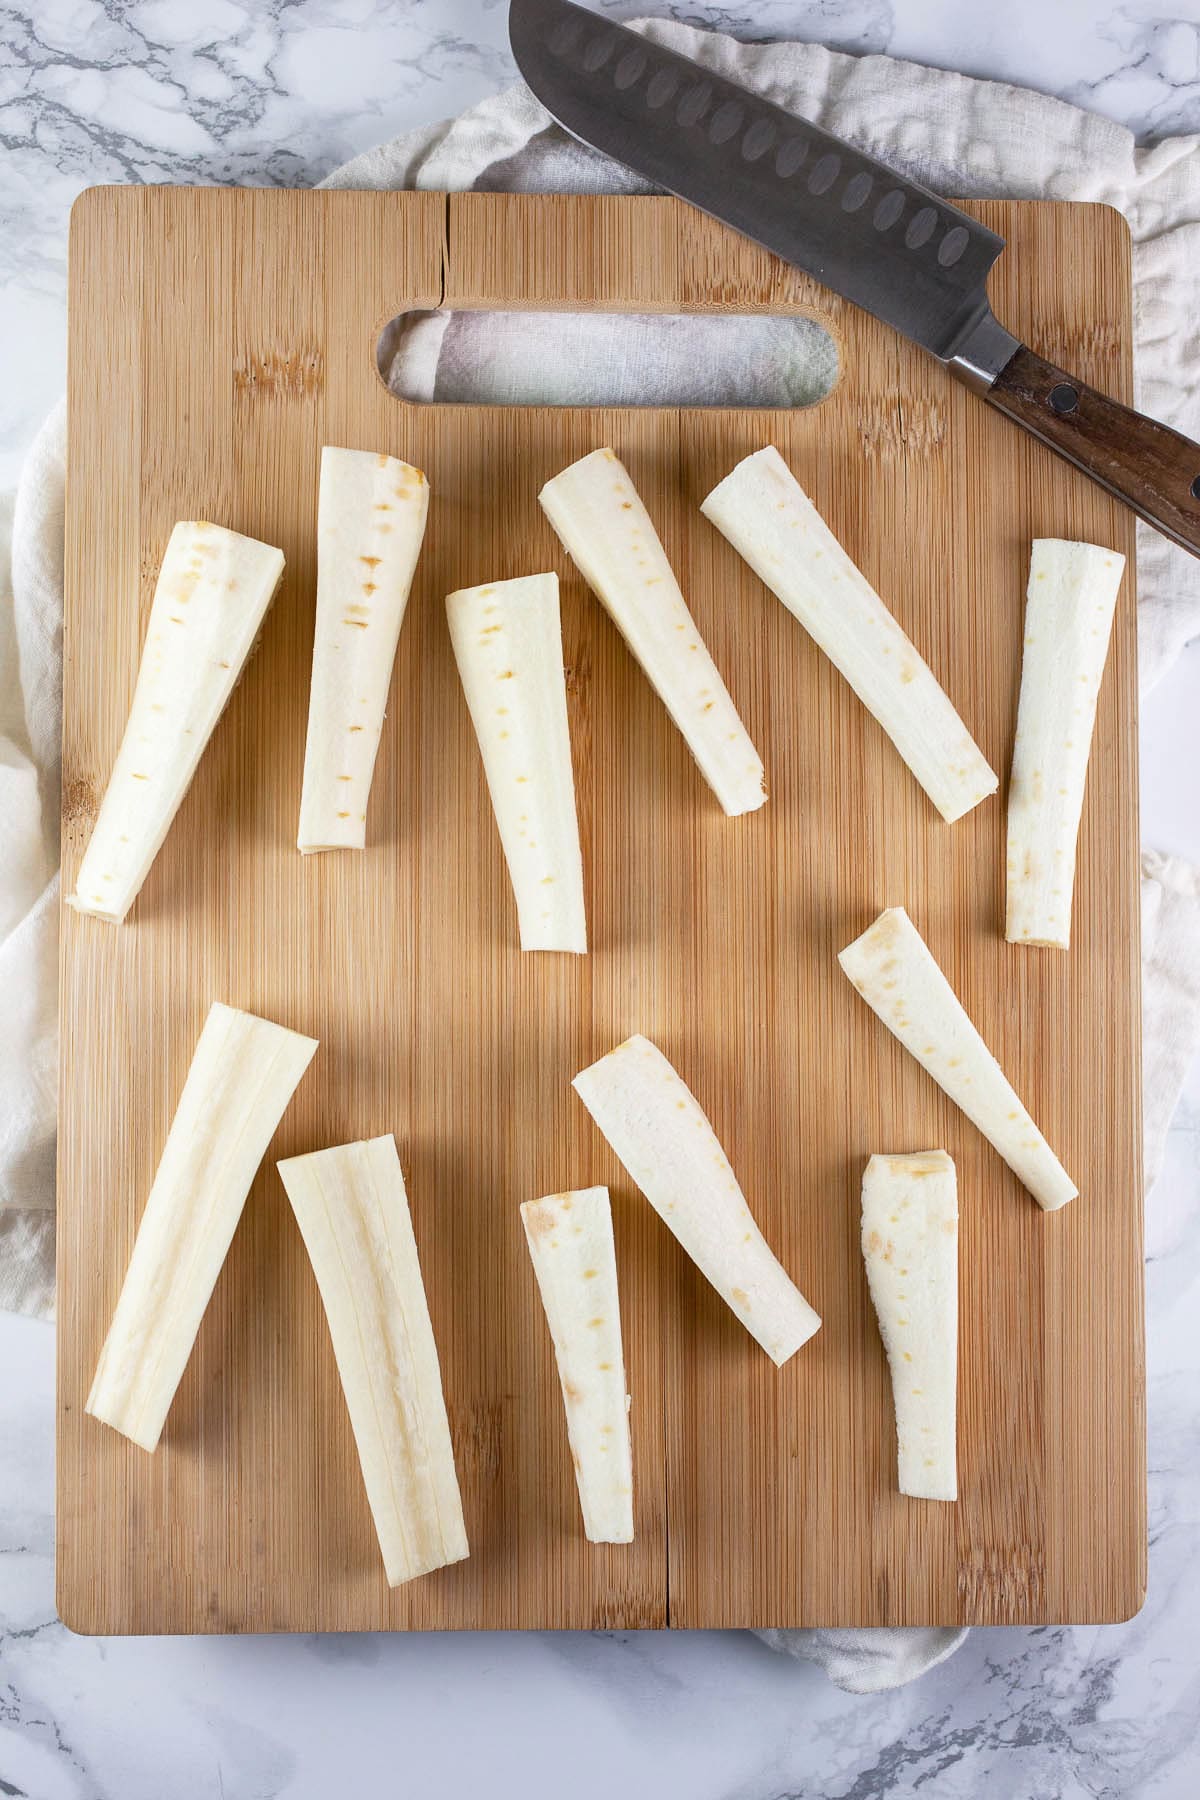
[(218, 339)]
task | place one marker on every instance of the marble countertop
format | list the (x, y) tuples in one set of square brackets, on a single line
[(281, 92)]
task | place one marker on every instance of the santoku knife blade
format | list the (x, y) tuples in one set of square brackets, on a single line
[(910, 258)]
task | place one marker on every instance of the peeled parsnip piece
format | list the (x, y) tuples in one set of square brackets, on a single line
[(1069, 610), (243, 1073), (894, 971), (910, 1246), (598, 513), (770, 521), (370, 523), (507, 639), (213, 592), (570, 1239), (353, 1215), (657, 1128)]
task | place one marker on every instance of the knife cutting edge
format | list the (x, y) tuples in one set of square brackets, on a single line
[(903, 254)]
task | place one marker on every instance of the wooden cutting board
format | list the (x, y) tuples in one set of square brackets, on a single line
[(218, 339)]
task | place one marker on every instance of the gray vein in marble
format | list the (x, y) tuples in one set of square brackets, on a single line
[(123, 93), (43, 1730), (1156, 55), (254, 1762)]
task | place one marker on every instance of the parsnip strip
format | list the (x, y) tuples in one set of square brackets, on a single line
[(1069, 609), (598, 513), (570, 1239), (507, 639), (894, 971), (910, 1247), (370, 525), (770, 521), (659, 1131), (352, 1210), (214, 588), (243, 1073)]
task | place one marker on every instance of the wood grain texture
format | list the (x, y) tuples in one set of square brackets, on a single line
[(1152, 468), (218, 339)]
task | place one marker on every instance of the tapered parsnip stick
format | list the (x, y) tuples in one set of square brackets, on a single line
[(353, 1215), (370, 524), (243, 1073), (1068, 622), (769, 519), (893, 970), (910, 1246), (598, 513), (657, 1128), (213, 592), (570, 1239), (507, 640)]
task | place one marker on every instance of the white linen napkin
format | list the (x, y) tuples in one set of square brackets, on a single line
[(31, 576), (963, 137)]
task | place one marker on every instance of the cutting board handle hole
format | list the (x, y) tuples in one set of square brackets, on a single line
[(494, 358)]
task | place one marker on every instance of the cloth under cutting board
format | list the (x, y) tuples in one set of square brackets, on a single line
[(961, 136)]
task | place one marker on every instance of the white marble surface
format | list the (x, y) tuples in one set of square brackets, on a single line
[(220, 90)]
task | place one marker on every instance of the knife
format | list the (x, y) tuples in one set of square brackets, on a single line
[(853, 224)]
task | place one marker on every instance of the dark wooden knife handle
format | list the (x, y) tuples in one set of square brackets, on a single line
[(1153, 469)]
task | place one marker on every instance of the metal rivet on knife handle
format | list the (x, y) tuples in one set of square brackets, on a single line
[(1140, 460)]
